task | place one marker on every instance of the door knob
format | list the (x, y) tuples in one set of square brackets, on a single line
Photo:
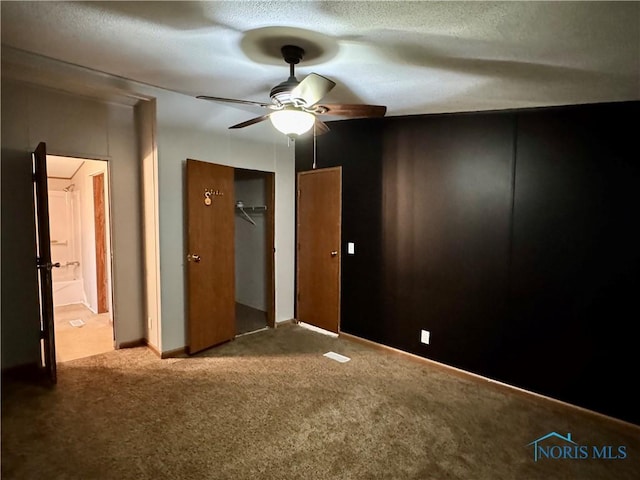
[(334, 253), (193, 257), (49, 265)]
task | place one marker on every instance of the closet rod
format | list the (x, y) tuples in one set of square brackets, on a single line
[(251, 207)]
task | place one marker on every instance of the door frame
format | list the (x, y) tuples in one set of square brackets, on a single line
[(270, 246), (108, 189), (100, 220)]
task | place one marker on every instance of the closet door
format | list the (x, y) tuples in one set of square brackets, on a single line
[(319, 232), (211, 254)]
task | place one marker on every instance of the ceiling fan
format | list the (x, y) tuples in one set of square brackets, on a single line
[(294, 104)]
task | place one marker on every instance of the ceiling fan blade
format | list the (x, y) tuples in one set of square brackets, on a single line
[(251, 122), (241, 102), (311, 89), (320, 127), (353, 111)]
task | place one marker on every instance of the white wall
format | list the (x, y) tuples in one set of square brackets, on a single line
[(60, 232), (63, 220), (71, 126), (250, 246)]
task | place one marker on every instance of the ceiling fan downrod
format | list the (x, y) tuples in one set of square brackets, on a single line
[(292, 54), (281, 93)]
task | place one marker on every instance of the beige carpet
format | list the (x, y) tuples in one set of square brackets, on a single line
[(92, 338), (271, 406)]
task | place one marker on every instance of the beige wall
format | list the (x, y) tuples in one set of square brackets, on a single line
[(71, 126)]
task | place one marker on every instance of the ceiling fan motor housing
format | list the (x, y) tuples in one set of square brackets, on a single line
[(281, 93)]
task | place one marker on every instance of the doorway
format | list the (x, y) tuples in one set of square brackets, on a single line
[(253, 192), (80, 232)]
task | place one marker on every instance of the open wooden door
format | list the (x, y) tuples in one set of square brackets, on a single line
[(319, 239), (211, 260), (43, 264)]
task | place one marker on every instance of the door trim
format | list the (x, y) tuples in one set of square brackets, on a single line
[(100, 228), (270, 247), (112, 308)]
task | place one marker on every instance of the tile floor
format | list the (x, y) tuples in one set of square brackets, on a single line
[(92, 338)]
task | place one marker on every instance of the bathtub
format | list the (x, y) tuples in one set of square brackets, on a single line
[(67, 292)]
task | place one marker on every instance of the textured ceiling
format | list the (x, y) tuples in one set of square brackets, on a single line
[(413, 57)]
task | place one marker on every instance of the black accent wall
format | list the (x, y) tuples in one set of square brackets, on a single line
[(511, 236)]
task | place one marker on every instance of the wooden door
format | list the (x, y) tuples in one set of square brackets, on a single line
[(43, 263), (99, 213), (210, 255), (318, 260)]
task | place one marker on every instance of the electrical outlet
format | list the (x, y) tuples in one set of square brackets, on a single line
[(425, 336), (149, 323)]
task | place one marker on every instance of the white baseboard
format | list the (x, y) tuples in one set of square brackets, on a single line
[(318, 329)]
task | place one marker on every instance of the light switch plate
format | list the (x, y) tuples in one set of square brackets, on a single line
[(425, 336), (351, 248)]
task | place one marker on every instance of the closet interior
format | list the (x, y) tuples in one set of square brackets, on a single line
[(252, 233)]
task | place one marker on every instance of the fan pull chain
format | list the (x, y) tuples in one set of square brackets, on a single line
[(314, 145)]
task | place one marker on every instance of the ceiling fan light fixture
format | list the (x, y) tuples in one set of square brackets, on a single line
[(292, 122)]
